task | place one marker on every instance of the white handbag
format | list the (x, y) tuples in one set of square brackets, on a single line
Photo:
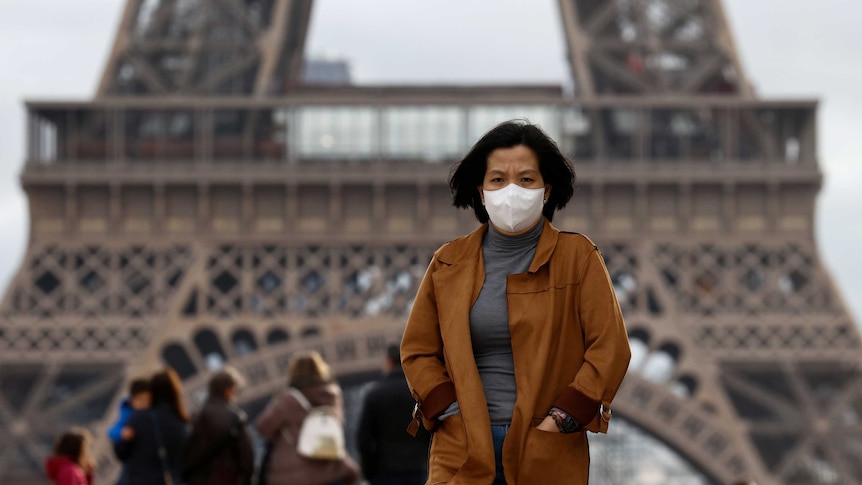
[(321, 436)]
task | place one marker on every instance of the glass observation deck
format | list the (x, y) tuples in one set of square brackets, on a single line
[(434, 129)]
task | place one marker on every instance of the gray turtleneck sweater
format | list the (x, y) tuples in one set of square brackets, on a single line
[(489, 317)]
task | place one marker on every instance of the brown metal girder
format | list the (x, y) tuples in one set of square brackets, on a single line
[(240, 12), (196, 46), (36, 451), (121, 43), (6, 411), (802, 448), (683, 15), (773, 428), (769, 400), (613, 44), (149, 75), (94, 389), (828, 443), (6, 453), (808, 408), (271, 43), (194, 277), (70, 355), (701, 10), (599, 19), (618, 74), (725, 38), (242, 62), (297, 37), (160, 18), (40, 389), (577, 46), (701, 72), (151, 46)]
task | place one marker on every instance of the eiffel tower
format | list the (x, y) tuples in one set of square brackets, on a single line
[(213, 204)]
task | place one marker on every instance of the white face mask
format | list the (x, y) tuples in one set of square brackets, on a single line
[(514, 208)]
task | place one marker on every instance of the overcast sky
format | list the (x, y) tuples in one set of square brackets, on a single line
[(55, 49)]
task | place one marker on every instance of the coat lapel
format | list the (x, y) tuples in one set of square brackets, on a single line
[(457, 284), (545, 247)]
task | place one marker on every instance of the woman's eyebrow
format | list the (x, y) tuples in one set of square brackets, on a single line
[(520, 172)]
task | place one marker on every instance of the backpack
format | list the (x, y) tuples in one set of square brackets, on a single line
[(321, 436)]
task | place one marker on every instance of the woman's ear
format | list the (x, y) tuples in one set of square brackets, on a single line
[(481, 194), (547, 192)]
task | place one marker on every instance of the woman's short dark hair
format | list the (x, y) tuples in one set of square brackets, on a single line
[(469, 173)]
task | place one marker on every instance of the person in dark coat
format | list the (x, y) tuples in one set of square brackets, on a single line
[(219, 450), (390, 456), (167, 421)]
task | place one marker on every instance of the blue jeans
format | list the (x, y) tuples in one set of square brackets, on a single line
[(498, 434)]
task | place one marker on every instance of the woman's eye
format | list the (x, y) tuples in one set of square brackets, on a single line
[(526, 180), (497, 179)]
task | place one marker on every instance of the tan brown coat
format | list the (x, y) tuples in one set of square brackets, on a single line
[(569, 346)]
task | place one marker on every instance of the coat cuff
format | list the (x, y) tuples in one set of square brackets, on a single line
[(437, 400), (578, 405)]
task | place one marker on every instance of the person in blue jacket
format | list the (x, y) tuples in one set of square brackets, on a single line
[(139, 398), (154, 438)]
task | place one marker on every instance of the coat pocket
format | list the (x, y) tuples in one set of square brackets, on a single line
[(448, 450), (554, 458)]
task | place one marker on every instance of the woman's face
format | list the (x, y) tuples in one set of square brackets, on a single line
[(518, 165)]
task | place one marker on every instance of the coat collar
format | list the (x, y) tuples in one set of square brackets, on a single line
[(465, 249)]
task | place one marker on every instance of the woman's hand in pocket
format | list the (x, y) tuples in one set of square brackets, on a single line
[(548, 424)]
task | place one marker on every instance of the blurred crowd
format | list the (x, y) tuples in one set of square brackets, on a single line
[(158, 442)]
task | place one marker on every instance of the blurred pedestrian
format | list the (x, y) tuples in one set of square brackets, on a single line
[(154, 439), (139, 398), (282, 419), (219, 450), (71, 463), (390, 456), (515, 345)]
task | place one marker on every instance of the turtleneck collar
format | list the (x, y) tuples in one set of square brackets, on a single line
[(497, 240)]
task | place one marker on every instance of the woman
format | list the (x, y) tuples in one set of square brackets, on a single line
[(281, 421), (219, 450), (515, 344), (165, 425), (71, 463)]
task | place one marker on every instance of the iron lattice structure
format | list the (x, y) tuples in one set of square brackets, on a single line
[(210, 206)]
